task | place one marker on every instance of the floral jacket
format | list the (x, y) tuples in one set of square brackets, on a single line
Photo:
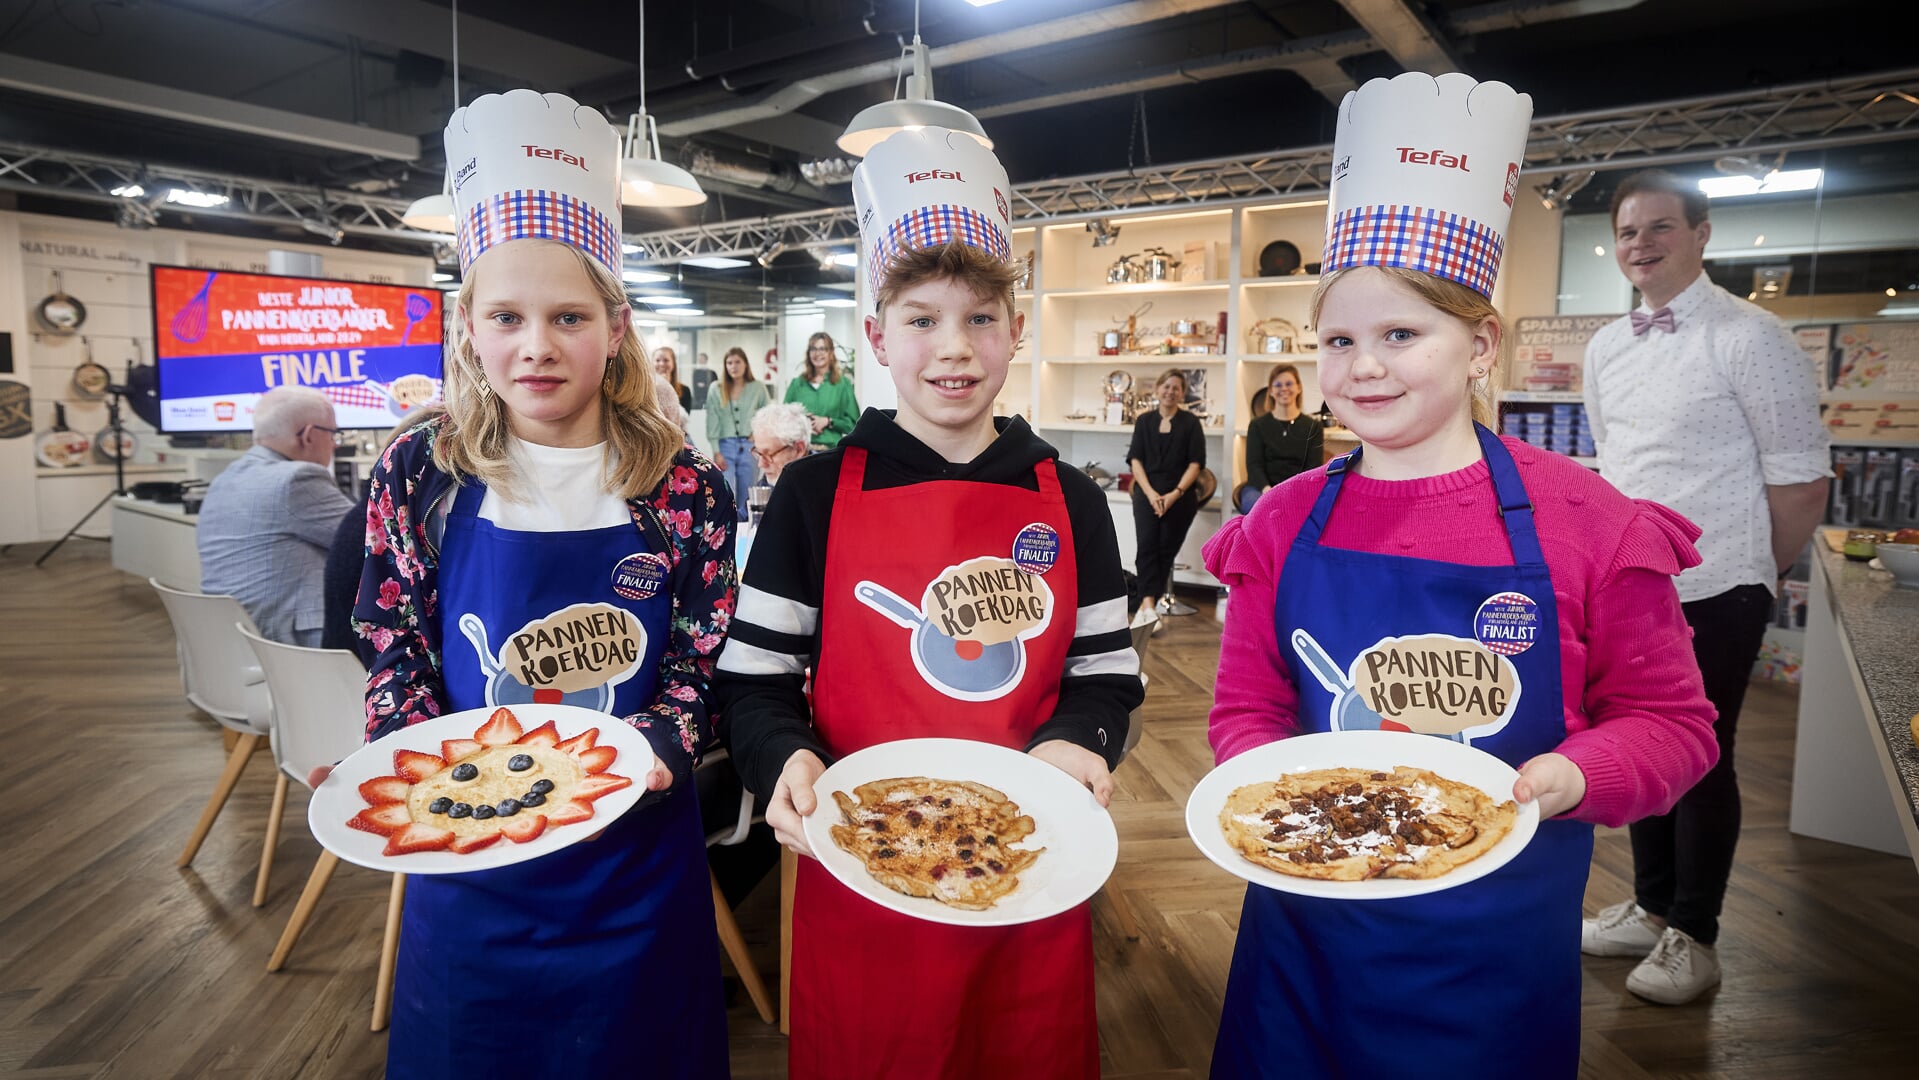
[(398, 610)]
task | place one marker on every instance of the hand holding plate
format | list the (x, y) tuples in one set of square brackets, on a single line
[(1554, 781), (793, 799), (1079, 763)]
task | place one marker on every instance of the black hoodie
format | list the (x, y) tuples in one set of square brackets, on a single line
[(764, 716)]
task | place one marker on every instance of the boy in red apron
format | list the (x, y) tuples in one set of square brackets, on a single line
[(1439, 534), (903, 498)]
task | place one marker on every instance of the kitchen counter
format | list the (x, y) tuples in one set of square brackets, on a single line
[(1856, 770), (152, 539)]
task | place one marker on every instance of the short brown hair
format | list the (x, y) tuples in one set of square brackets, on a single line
[(1660, 182), (989, 277)]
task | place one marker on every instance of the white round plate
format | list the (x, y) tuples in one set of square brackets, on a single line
[(338, 798), (1081, 844), (1382, 750)]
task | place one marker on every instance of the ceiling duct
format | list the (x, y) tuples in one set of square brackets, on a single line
[(764, 175)]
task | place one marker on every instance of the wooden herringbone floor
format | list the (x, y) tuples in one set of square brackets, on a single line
[(115, 964)]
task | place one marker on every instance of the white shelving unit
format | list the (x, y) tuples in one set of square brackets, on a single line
[(1058, 370)]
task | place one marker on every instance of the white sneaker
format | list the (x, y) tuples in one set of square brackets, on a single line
[(1623, 929), (1678, 970)]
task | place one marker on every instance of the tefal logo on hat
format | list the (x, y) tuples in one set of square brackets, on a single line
[(1441, 158), (935, 174), (1512, 181), (550, 154)]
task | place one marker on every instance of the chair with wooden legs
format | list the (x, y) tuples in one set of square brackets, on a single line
[(730, 936), (321, 698), (222, 679)]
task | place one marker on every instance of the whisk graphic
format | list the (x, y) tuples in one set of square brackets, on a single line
[(417, 307), (190, 322)]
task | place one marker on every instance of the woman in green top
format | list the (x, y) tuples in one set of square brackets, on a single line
[(826, 394), (730, 404)]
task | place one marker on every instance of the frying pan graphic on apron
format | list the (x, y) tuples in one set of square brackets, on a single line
[(967, 670), (1350, 711), (502, 688)]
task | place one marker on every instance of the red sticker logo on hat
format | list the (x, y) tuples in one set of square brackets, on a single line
[(1512, 181)]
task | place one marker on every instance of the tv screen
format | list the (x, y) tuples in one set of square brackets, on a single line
[(222, 338)]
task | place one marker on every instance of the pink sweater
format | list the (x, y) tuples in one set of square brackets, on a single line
[(1637, 720)]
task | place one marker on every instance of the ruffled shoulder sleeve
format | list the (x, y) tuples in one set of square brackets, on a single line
[(1657, 538)]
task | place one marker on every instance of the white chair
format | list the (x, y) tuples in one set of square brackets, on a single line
[(730, 936), (222, 679), (319, 720)]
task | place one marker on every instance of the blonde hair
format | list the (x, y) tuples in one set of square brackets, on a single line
[(1451, 298), (1173, 373), (727, 390), (640, 441), (673, 358), (832, 374)]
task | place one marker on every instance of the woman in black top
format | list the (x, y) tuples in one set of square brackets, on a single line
[(1280, 444), (1167, 453)]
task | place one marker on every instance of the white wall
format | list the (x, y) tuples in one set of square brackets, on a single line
[(105, 268)]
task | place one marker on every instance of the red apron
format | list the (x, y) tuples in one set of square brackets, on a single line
[(875, 993)]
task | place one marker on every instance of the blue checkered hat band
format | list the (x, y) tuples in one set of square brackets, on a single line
[(933, 226), (539, 215), (1439, 243)]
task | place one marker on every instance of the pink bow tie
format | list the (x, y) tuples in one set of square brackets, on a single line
[(1642, 321)]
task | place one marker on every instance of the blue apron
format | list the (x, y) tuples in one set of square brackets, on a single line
[(598, 960), (1480, 980)]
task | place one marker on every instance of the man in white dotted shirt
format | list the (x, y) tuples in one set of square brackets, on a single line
[(1702, 402)]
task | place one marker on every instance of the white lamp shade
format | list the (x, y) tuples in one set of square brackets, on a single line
[(876, 122), (431, 214), (651, 182)]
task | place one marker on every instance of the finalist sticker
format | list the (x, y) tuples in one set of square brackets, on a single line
[(639, 576), (1036, 548), (1507, 624)]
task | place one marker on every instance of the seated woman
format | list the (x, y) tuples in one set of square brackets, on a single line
[(1282, 443), (780, 435)]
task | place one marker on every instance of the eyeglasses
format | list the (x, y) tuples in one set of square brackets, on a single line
[(768, 457), (339, 436)]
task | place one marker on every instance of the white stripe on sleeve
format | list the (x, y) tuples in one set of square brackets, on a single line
[(739, 658), (776, 613)]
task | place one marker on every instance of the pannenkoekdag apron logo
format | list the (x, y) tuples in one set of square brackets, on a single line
[(1433, 684), (574, 656), (969, 628)]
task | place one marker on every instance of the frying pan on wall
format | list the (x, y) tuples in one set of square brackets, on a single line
[(60, 314), (90, 379), (61, 447)]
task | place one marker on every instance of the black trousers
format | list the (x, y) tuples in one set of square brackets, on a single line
[(1683, 859), (1159, 539)]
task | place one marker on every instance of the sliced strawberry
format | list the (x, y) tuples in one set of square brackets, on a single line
[(385, 789), (418, 837), (544, 735), (599, 759), (381, 820), (416, 766), (457, 749), (593, 787), (583, 741), (500, 728), (522, 828), (569, 812), (467, 845)]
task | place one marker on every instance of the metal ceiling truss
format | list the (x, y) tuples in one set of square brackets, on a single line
[(1862, 109)]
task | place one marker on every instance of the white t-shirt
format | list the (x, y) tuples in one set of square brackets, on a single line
[(562, 491), (1703, 419)]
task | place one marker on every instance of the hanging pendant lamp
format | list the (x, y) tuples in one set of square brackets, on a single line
[(917, 109), (646, 179), (435, 213)]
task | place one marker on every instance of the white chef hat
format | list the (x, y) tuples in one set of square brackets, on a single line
[(1424, 173), (927, 188), (533, 166)]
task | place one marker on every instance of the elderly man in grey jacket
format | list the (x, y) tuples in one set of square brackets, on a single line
[(269, 517)]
